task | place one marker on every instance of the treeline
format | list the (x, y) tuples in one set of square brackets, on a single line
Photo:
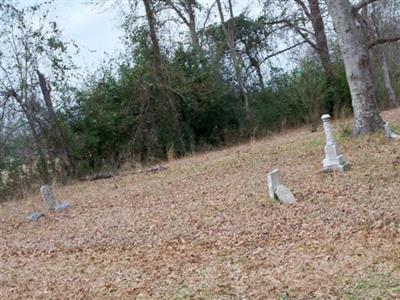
[(168, 95)]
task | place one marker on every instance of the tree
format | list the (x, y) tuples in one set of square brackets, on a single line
[(185, 9), (31, 43), (229, 32), (380, 22), (353, 42)]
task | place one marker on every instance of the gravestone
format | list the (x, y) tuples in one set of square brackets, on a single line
[(273, 182), (62, 206), (389, 133), (284, 194), (48, 197), (333, 159), (277, 190), (35, 216)]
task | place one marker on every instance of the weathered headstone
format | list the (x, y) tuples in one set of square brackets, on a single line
[(48, 197), (389, 133), (277, 190), (333, 159)]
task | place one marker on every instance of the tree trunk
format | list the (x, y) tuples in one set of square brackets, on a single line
[(148, 5), (228, 31), (321, 47), (26, 109), (62, 148), (320, 37), (353, 42), (171, 128), (388, 83), (192, 28)]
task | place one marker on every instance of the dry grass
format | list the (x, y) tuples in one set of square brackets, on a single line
[(204, 229)]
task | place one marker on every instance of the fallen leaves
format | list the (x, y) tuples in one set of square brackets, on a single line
[(203, 228)]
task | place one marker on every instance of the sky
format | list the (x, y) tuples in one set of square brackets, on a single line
[(95, 29)]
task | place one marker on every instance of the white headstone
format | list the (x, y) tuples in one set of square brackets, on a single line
[(278, 191), (48, 197), (284, 194), (389, 133), (333, 159), (273, 182)]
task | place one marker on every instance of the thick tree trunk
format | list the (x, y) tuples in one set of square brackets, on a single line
[(353, 43), (388, 83), (62, 148), (228, 31)]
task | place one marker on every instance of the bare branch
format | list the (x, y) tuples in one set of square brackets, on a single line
[(363, 3), (301, 31), (383, 41), (304, 8), (284, 50), (177, 10)]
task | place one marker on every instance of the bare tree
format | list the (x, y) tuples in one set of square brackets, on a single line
[(29, 41)]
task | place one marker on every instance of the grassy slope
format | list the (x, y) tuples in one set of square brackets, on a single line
[(204, 228)]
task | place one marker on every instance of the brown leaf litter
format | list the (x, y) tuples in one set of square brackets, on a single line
[(204, 228)]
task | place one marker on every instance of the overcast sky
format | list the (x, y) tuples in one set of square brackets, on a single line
[(95, 30)]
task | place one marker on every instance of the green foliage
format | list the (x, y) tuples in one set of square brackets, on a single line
[(124, 115), (132, 109), (293, 98)]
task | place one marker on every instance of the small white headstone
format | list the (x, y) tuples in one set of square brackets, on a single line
[(278, 191), (273, 182), (48, 197), (389, 133), (333, 159)]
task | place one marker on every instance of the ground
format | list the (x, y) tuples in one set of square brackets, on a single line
[(205, 229)]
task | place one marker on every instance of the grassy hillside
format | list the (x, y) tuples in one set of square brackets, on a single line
[(205, 229)]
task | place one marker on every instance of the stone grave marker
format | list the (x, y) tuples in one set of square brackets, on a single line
[(49, 200), (48, 197), (277, 190), (389, 133), (333, 159)]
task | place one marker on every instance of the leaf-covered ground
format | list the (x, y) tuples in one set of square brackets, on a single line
[(205, 229)]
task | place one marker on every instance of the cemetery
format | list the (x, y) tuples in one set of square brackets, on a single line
[(206, 227), (196, 149)]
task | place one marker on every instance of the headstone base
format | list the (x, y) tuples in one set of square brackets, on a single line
[(284, 195), (35, 216), (62, 206), (340, 167)]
